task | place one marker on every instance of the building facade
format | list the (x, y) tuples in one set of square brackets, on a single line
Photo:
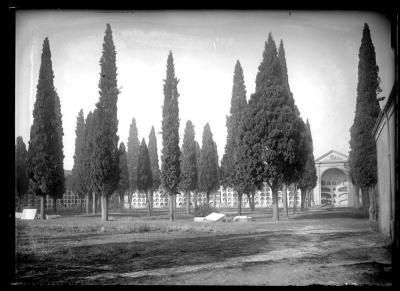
[(225, 197), (384, 132), (334, 186)]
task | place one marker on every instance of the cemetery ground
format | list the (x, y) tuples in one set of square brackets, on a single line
[(328, 246)]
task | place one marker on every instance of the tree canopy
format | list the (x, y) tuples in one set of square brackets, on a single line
[(208, 165), (153, 153), (145, 179), (188, 181), (133, 155), (362, 158), (170, 165)]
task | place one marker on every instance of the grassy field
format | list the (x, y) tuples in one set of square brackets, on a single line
[(320, 246)]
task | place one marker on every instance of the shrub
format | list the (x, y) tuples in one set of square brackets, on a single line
[(203, 210)]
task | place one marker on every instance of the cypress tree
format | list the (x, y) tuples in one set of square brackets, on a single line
[(170, 167), (188, 180), (308, 179), (43, 161), (198, 161), (60, 189), (88, 161), (123, 184), (79, 185), (145, 179), (363, 163), (133, 157), (155, 169), (238, 106), (105, 152), (293, 174), (22, 181), (208, 166)]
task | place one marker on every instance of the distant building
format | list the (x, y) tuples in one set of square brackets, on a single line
[(385, 134), (334, 186)]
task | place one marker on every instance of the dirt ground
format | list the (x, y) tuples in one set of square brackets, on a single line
[(319, 246)]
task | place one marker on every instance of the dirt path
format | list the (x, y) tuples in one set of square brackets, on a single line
[(321, 247)]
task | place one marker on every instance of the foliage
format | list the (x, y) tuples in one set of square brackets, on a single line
[(43, 162), (204, 209), (309, 177), (153, 153), (238, 107), (79, 185), (170, 166), (88, 150), (60, 188), (188, 180), (208, 165), (145, 179), (22, 181), (363, 164), (105, 151), (133, 155), (123, 184)]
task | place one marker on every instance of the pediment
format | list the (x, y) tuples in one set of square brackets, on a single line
[(332, 157)]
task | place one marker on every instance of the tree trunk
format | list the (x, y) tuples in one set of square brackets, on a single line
[(373, 205), (55, 205), (195, 199), (275, 199), (356, 197), (365, 201), (215, 199), (151, 201), (309, 197), (104, 207), (81, 200), (171, 208), (87, 198), (294, 200), (240, 203), (94, 203), (148, 203), (284, 200), (42, 207), (208, 197), (188, 203), (130, 199), (303, 192), (252, 201)]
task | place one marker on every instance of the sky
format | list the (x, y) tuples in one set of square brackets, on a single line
[(321, 53)]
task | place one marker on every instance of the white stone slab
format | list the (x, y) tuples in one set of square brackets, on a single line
[(52, 216), (242, 218), (28, 214), (18, 215), (199, 219), (215, 217)]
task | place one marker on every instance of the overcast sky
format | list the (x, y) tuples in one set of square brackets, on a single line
[(321, 53)]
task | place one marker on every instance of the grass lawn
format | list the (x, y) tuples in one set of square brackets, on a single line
[(319, 246)]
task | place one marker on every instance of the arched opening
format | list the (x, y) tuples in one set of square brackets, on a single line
[(334, 188)]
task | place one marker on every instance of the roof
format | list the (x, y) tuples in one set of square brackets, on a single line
[(336, 153)]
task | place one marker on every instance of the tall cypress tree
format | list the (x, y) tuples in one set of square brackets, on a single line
[(155, 169), (170, 166), (308, 179), (106, 160), (133, 157), (88, 161), (79, 185), (22, 181), (293, 174), (43, 161), (123, 184), (60, 189), (188, 181), (208, 166), (145, 179), (363, 163), (238, 107)]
